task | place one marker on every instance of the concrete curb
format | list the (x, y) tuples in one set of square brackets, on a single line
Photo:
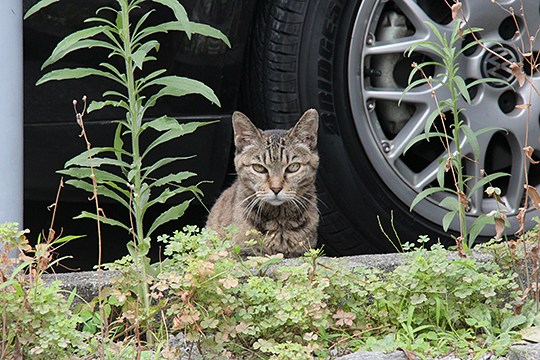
[(86, 283)]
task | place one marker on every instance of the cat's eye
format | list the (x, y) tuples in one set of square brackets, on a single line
[(259, 168), (294, 167)]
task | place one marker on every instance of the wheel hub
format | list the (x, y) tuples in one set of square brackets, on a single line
[(495, 66)]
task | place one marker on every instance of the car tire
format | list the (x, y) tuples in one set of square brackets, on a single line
[(299, 58)]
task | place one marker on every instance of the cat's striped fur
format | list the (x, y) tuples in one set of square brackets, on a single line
[(274, 193)]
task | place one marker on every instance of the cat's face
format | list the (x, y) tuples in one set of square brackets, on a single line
[(276, 166)]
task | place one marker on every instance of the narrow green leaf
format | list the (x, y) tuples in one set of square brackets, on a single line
[(166, 195), (114, 71), (104, 220), (450, 203), (77, 73), (469, 30), (83, 156), (490, 129), (102, 177), (83, 160), (97, 162), (120, 188), (468, 46), (71, 297), (196, 28), (98, 105), (446, 104), (75, 41), (181, 130), (67, 238), (207, 30), (143, 197), (162, 162), (425, 193), (173, 178), (424, 136), (410, 87), (150, 77), (162, 123), (180, 86), (435, 47), (462, 87), (161, 28), (179, 12), (486, 180), (119, 22), (171, 214), (38, 6), (106, 8), (438, 307), (115, 94), (100, 20), (141, 21), (140, 56), (478, 226), (488, 80), (455, 33), (118, 144), (441, 171), (447, 219), (430, 120), (473, 141), (437, 33), (420, 66), (101, 190)]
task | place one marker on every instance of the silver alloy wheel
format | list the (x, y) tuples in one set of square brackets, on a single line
[(377, 75)]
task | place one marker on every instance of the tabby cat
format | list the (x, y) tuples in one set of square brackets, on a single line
[(274, 193)]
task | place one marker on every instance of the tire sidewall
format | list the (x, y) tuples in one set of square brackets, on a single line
[(357, 192)]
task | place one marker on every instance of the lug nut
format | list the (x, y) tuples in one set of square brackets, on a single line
[(369, 40)]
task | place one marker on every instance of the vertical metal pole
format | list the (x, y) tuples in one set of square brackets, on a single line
[(11, 112)]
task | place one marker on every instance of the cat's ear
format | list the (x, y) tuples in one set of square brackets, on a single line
[(245, 133), (305, 130)]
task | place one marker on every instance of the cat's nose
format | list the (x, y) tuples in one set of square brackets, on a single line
[(276, 190)]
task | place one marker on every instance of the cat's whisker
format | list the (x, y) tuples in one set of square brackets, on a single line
[(259, 209), (298, 203), (250, 206), (255, 205), (248, 198), (312, 201), (321, 202), (253, 200)]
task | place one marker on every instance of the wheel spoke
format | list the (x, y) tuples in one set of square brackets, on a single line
[(418, 17), (474, 168), (533, 118), (514, 195), (419, 95), (412, 128), (393, 47), (486, 16), (530, 28), (426, 176)]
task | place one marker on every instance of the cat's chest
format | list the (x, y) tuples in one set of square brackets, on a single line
[(279, 218)]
